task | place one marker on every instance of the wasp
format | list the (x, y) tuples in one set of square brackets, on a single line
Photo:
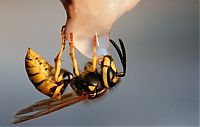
[(93, 82)]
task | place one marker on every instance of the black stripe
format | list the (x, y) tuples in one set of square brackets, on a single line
[(113, 73), (103, 66), (109, 57), (109, 80), (28, 66), (63, 88), (38, 84), (31, 75), (108, 77), (26, 62), (66, 73), (28, 58), (52, 91)]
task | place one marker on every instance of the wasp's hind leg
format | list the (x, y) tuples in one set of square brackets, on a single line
[(57, 59), (72, 55), (60, 82)]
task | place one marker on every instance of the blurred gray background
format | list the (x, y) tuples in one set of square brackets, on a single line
[(162, 82)]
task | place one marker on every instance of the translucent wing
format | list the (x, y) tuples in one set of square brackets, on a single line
[(45, 107), (88, 17)]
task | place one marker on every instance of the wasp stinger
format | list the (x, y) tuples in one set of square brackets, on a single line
[(52, 81)]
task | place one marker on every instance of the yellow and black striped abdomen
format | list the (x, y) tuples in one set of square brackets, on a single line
[(41, 74), (108, 72)]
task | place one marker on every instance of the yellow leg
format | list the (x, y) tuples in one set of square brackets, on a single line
[(57, 60), (72, 54), (94, 58)]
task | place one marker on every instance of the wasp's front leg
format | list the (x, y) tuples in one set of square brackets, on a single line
[(92, 66), (57, 60), (94, 58)]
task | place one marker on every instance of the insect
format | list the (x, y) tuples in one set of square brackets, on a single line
[(52, 81)]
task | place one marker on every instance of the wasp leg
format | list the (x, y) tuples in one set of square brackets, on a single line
[(94, 58), (72, 55), (122, 56), (57, 60)]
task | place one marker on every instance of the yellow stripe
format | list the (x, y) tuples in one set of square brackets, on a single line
[(33, 70), (102, 91), (60, 78), (105, 69), (45, 87), (70, 76), (115, 79), (57, 93), (113, 66), (106, 61), (37, 78), (91, 88)]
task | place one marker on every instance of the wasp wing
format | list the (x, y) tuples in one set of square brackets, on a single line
[(43, 104), (45, 107)]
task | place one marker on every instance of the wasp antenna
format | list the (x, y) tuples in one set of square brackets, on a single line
[(123, 48), (117, 48), (124, 54)]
